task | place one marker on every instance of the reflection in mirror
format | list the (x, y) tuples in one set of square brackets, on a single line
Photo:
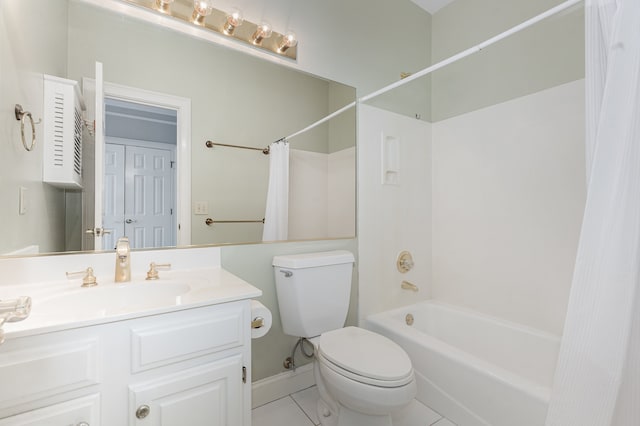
[(234, 98)]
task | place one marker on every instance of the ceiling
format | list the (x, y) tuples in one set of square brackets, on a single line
[(432, 6)]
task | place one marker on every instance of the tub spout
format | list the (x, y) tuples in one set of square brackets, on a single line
[(409, 286)]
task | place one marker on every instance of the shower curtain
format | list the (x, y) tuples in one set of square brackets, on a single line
[(276, 217), (597, 380)]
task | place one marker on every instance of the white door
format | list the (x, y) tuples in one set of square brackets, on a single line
[(149, 204), (113, 190), (139, 196)]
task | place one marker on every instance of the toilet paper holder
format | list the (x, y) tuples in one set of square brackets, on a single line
[(260, 319), (258, 322)]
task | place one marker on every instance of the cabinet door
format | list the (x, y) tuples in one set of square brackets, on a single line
[(77, 412), (208, 395)]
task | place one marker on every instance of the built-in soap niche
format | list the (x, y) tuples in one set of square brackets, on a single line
[(390, 160)]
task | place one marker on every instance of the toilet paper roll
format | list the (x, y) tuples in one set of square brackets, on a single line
[(260, 319)]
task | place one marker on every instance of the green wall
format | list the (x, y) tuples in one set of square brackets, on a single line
[(543, 56)]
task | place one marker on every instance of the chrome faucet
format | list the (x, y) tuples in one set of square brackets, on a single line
[(123, 260)]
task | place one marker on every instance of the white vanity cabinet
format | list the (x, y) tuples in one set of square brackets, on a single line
[(187, 367)]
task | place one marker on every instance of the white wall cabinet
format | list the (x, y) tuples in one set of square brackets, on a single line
[(189, 367)]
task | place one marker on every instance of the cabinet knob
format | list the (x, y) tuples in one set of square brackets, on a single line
[(142, 411), (83, 424)]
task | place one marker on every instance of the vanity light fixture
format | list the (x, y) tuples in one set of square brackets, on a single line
[(286, 42), (164, 6), (208, 18), (262, 31), (234, 19), (201, 9)]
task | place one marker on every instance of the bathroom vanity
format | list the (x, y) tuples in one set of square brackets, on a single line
[(145, 356)]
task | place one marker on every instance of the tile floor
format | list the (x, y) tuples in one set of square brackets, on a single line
[(299, 409)]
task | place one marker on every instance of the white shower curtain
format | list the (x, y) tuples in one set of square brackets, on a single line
[(597, 379), (276, 217)]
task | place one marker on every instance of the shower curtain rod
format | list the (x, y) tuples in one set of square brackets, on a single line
[(475, 49), (455, 58)]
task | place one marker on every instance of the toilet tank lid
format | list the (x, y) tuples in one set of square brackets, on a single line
[(310, 260)]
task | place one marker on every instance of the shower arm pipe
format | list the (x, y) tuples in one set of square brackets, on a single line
[(455, 58), (475, 49)]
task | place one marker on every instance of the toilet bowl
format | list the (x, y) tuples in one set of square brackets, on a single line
[(362, 377)]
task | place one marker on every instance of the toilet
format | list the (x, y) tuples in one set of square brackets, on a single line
[(362, 377)]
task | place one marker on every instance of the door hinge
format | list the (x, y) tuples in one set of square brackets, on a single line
[(170, 211), (244, 374), (172, 163)]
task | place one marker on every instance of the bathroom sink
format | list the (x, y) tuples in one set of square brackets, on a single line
[(113, 299)]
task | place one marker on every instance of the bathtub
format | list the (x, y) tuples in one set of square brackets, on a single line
[(472, 368)]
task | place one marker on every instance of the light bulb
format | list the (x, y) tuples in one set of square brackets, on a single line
[(201, 9), (263, 31), (234, 19), (289, 40), (163, 5)]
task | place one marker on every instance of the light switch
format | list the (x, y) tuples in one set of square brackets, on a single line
[(201, 207)]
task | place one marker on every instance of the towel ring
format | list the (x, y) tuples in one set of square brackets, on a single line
[(20, 116)]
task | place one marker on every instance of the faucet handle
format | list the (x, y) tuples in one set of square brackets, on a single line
[(17, 309), (89, 280), (404, 262), (152, 273)]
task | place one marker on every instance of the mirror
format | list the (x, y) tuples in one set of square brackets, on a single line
[(235, 98)]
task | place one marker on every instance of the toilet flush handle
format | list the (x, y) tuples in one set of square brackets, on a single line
[(287, 274)]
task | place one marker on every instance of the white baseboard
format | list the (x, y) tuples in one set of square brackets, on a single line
[(275, 387)]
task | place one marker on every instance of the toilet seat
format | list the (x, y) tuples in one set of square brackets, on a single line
[(365, 357)]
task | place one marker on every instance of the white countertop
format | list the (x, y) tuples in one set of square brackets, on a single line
[(64, 304)]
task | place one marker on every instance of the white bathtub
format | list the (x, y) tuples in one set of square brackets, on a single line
[(472, 368)]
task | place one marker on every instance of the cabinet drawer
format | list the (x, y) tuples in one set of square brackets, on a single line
[(173, 340), (36, 372), (69, 413)]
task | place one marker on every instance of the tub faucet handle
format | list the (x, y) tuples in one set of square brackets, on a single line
[(404, 263)]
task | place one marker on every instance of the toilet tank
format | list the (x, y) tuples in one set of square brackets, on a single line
[(313, 291)]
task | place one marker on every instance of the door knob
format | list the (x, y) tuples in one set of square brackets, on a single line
[(130, 221), (98, 232)]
